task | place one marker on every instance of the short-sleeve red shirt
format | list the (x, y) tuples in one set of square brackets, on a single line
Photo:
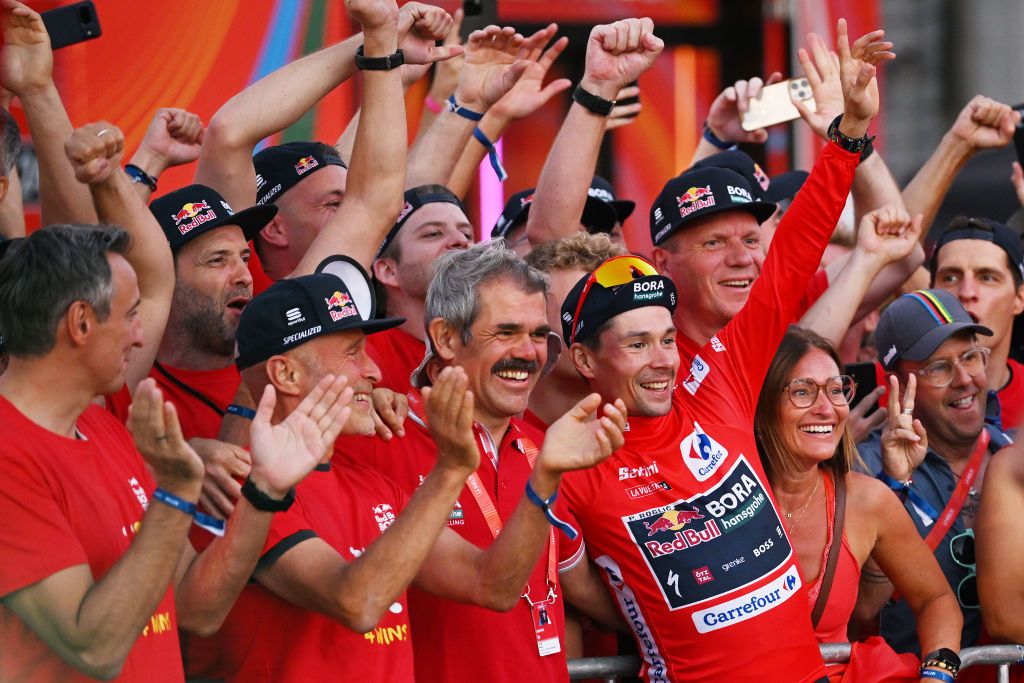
[(397, 353), (68, 502)]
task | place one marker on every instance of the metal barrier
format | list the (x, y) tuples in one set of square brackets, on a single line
[(611, 668)]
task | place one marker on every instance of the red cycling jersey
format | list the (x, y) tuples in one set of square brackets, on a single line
[(681, 518)]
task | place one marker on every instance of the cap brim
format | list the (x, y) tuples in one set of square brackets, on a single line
[(786, 185), (251, 220), (924, 347), (761, 211), (624, 208), (598, 216), (377, 325)]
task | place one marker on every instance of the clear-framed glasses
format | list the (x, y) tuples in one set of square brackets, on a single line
[(941, 372), (803, 391), (961, 549)]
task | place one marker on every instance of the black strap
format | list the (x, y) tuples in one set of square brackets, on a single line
[(833, 551), (186, 388)]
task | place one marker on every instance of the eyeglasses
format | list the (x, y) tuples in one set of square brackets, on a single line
[(803, 392), (941, 373), (961, 549), (616, 271)]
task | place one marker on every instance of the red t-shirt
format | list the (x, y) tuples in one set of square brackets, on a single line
[(68, 502), (397, 353), (736, 608), (460, 642), (815, 288), (266, 638), (1011, 397), (260, 280)]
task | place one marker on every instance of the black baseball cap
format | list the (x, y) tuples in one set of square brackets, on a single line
[(602, 210), (782, 186), (293, 311), (515, 213), (280, 167), (702, 192), (197, 209), (415, 199), (964, 228), (916, 324), (641, 286)]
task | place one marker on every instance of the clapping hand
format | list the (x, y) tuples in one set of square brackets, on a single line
[(449, 406)]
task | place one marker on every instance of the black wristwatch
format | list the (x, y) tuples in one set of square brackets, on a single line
[(944, 659), (592, 102), (264, 503), (853, 145), (379, 63)]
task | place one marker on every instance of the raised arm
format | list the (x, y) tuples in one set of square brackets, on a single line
[(282, 455), (373, 194), (12, 209), (26, 69), (94, 152), (724, 122), (884, 236), (617, 54), (314, 576), (489, 70), (998, 537), (174, 137), (494, 578), (93, 624), (982, 124)]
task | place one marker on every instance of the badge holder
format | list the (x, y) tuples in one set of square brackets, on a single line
[(543, 624)]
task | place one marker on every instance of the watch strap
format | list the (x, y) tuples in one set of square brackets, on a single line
[(592, 102), (852, 145), (264, 503), (137, 175), (379, 63)]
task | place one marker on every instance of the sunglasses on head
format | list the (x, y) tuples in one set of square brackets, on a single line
[(614, 272), (961, 549)]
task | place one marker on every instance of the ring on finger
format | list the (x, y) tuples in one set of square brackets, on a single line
[(908, 411), (103, 132), (161, 437)]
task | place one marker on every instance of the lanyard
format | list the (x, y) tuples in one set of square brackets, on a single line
[(483, 499), (963, 488)]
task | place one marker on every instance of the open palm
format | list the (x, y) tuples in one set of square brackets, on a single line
[(579, 439)]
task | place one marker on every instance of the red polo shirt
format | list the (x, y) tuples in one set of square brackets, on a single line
[(397, 353)]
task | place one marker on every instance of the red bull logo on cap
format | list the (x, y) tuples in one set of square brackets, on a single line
[(695, 199), (193, 213), (340, 301), (304, 164), (761, 177)]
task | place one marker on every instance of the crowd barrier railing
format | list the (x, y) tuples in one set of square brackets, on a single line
[(610, 669)]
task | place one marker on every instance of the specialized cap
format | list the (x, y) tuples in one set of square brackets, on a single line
[(293, 311), (701, 192), (281, 167), (620, 284), (963, 228), (197, 209), (515, 213), (416, 199), (602, 210), (916, 324), (782, 186)]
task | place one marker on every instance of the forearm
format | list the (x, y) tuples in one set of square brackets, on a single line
[(939, 623), (216, 576), (925, 192), (583, 590), (889, 280), (874, 591), (152, 165), (434, 155), (474, 152), (347, 140), (833, 312), (565, 178), (62, 199), (12, 210), (873, 187)]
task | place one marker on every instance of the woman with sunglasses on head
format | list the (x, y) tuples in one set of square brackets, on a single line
[(838, 519)]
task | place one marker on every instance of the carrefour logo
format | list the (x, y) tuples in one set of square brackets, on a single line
[(748, 606), (702, 454)]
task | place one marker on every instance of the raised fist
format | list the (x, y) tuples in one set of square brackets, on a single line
[(618, 53), (95, 152)]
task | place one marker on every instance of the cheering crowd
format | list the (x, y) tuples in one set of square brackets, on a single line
[(293, 422)]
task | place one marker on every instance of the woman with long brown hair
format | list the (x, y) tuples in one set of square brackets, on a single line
[(837, 518)]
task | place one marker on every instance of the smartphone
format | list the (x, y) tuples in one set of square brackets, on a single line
[(472, 8), (775, 104), (630, 100), (864, 375), (1018, 135), (71, 24)]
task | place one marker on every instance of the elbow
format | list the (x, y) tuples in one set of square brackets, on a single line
[(100, 665), (359, 614), (496, 598), (201, 626), (225, 131), (1005, 626)]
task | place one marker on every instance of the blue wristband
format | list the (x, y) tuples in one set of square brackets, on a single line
[(241, 411), (912, 495), (715, 141), (456, 108), (492, 154), (894, 484), (938, 675), (545, 505), (212, 524)]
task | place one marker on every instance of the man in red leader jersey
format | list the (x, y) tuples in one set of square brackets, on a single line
[(336, 567), (487, 315), (681, 519), (94, 537)]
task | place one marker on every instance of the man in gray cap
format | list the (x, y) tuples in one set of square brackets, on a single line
[(933, 452)]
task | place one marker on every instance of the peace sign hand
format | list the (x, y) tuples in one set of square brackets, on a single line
[(904, 440)]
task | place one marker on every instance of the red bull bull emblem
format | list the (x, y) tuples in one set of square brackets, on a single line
[(304, 164), (340, 301), (761, 177), (193, 213), (695, 199)]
